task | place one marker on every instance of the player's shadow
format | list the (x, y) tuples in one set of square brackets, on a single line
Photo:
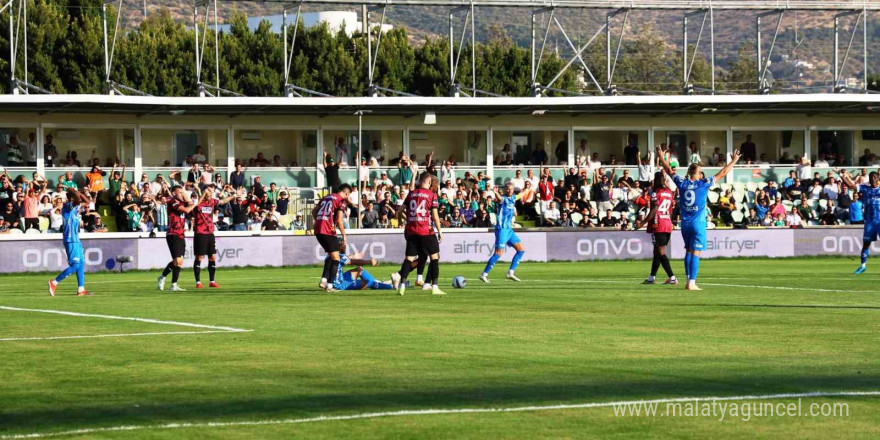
[(447, 394), (781, 306)]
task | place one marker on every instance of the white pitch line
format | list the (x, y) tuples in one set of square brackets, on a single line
[(126, 318), (405, 413), (118, 335)]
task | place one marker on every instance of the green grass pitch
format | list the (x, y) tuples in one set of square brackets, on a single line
[(570, 333)]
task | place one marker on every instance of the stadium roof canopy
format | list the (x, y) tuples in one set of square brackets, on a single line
[(412, 106)]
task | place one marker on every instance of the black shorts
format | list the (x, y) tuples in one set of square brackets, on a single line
[(204, 244), (422, 245), (329, 242), (177, 245), (660, 238)]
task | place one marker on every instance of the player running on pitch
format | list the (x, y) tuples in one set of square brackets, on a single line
[(693, 193), (871, 199), (421, 208), (329, 214), (72, 245), (659, 222), (179, 205), (504, 234), (204, 242), (357, 278)]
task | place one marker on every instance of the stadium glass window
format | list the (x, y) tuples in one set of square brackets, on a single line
[(771, 146), (276, 148), (382, 145), (22, 136), (708, 143), (866, 147), (464, 148), (166, 148), (835, 143), (520, 147), (608, 143), (79, 147)]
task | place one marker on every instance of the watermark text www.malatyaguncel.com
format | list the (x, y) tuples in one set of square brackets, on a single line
[(722, 410)]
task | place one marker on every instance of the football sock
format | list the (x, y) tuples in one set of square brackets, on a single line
[(405, 268), (492, 260), (175, 274), (434, 270), (81, 275), (687, 264), (212, 269), (66, 273), (334, 268), (197, 270), (865, 256), (421, 267), (375, 285), (695, 267), (516, 259), (664, 260), (325, 275), (655, 264), (167, 270), (366, 276)]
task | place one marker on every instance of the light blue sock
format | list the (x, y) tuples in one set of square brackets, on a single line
[(516, 259), (368, 277), (695, 267), (865, 256), (492, 260), (687, 264), (375, 285), (66, 273)]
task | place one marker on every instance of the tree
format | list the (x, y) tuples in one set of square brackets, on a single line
[(742, 75)]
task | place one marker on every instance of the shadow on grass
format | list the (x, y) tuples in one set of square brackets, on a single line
[(94, 414), (780, 306)]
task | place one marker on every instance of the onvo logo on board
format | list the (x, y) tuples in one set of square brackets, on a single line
[(51, 258), (374, 249), (609, 247), (845, 245)]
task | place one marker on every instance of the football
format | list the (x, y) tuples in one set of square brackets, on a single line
[(459, 282)]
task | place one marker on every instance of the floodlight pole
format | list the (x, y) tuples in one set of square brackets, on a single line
[(360, 191)]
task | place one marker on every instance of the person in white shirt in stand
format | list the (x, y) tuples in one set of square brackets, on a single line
[(582, 154), (647, 168), (821, 162), (30, 151), (341, 152), (793, 219), (832, 189), (518, 182), (530, 176), (447, 173)]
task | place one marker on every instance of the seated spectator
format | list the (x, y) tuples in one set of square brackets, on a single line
[(831, 190), (726, 206), (588, 220), (816, 191), (9, 217), (269, 223), (298, 224), (455, 219), (92, 221), (779, 220), (518, 182), (370, 217), (609, 221), (805, 211), (790, 180), (754, 220), (777, 208), (821, 162), (133, 217), (565, 221), (828, 217), (794, 192), (283, 202), (384, 222), (794, 219), (481, 219), (771, 190), (551, 215)]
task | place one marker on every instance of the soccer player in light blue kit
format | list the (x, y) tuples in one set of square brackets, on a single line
[(871, 199), (504, 235), (693, 192), (72, 245), (357, 278)]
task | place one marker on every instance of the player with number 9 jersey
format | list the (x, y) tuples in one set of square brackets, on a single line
[(692, 198)]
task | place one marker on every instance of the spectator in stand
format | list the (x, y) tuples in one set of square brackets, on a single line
[(50, 152), (239, 208), (726, 206), (481, 219), (821, 162), (96, 183), (525, 204), (370, 216), (754, 220), (518, 182), (92, 221), (283, 202), (551, 215), (561, 151), (647, 168), (831, 190), (794, 192), (199, 157), (582, 154), (14, 155), (840, 161), (631, 153), (384, 222), (609, 221), (269, 223), (694, 154), (857, 210), (828, 217), (455, 219), (815, 192), (10, 217), (535, 180), (748, 149), (261, 161), (777, 208), (29, 151), (771, 190), (298, 224), (341, 150), (545, 193), (30, 208), (565, 221), (794, 219), (602, 192), (236, 179), (404, 172), (789, 181), (717, 158), (589, 218), (539, 156)]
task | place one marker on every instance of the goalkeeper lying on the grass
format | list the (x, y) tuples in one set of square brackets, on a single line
[(357, 278)]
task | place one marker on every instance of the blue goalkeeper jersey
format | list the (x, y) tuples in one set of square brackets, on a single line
[(692, 198), (506, 213), (70, 222), (871, 198)]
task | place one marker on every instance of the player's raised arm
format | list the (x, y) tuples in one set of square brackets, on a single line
[(846, 178), (729, 167), (663, 162)]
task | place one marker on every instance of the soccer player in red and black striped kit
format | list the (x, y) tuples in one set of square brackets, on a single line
[(179, 205), (659, 221), (204, 242), (421, 207), (329, 214)]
